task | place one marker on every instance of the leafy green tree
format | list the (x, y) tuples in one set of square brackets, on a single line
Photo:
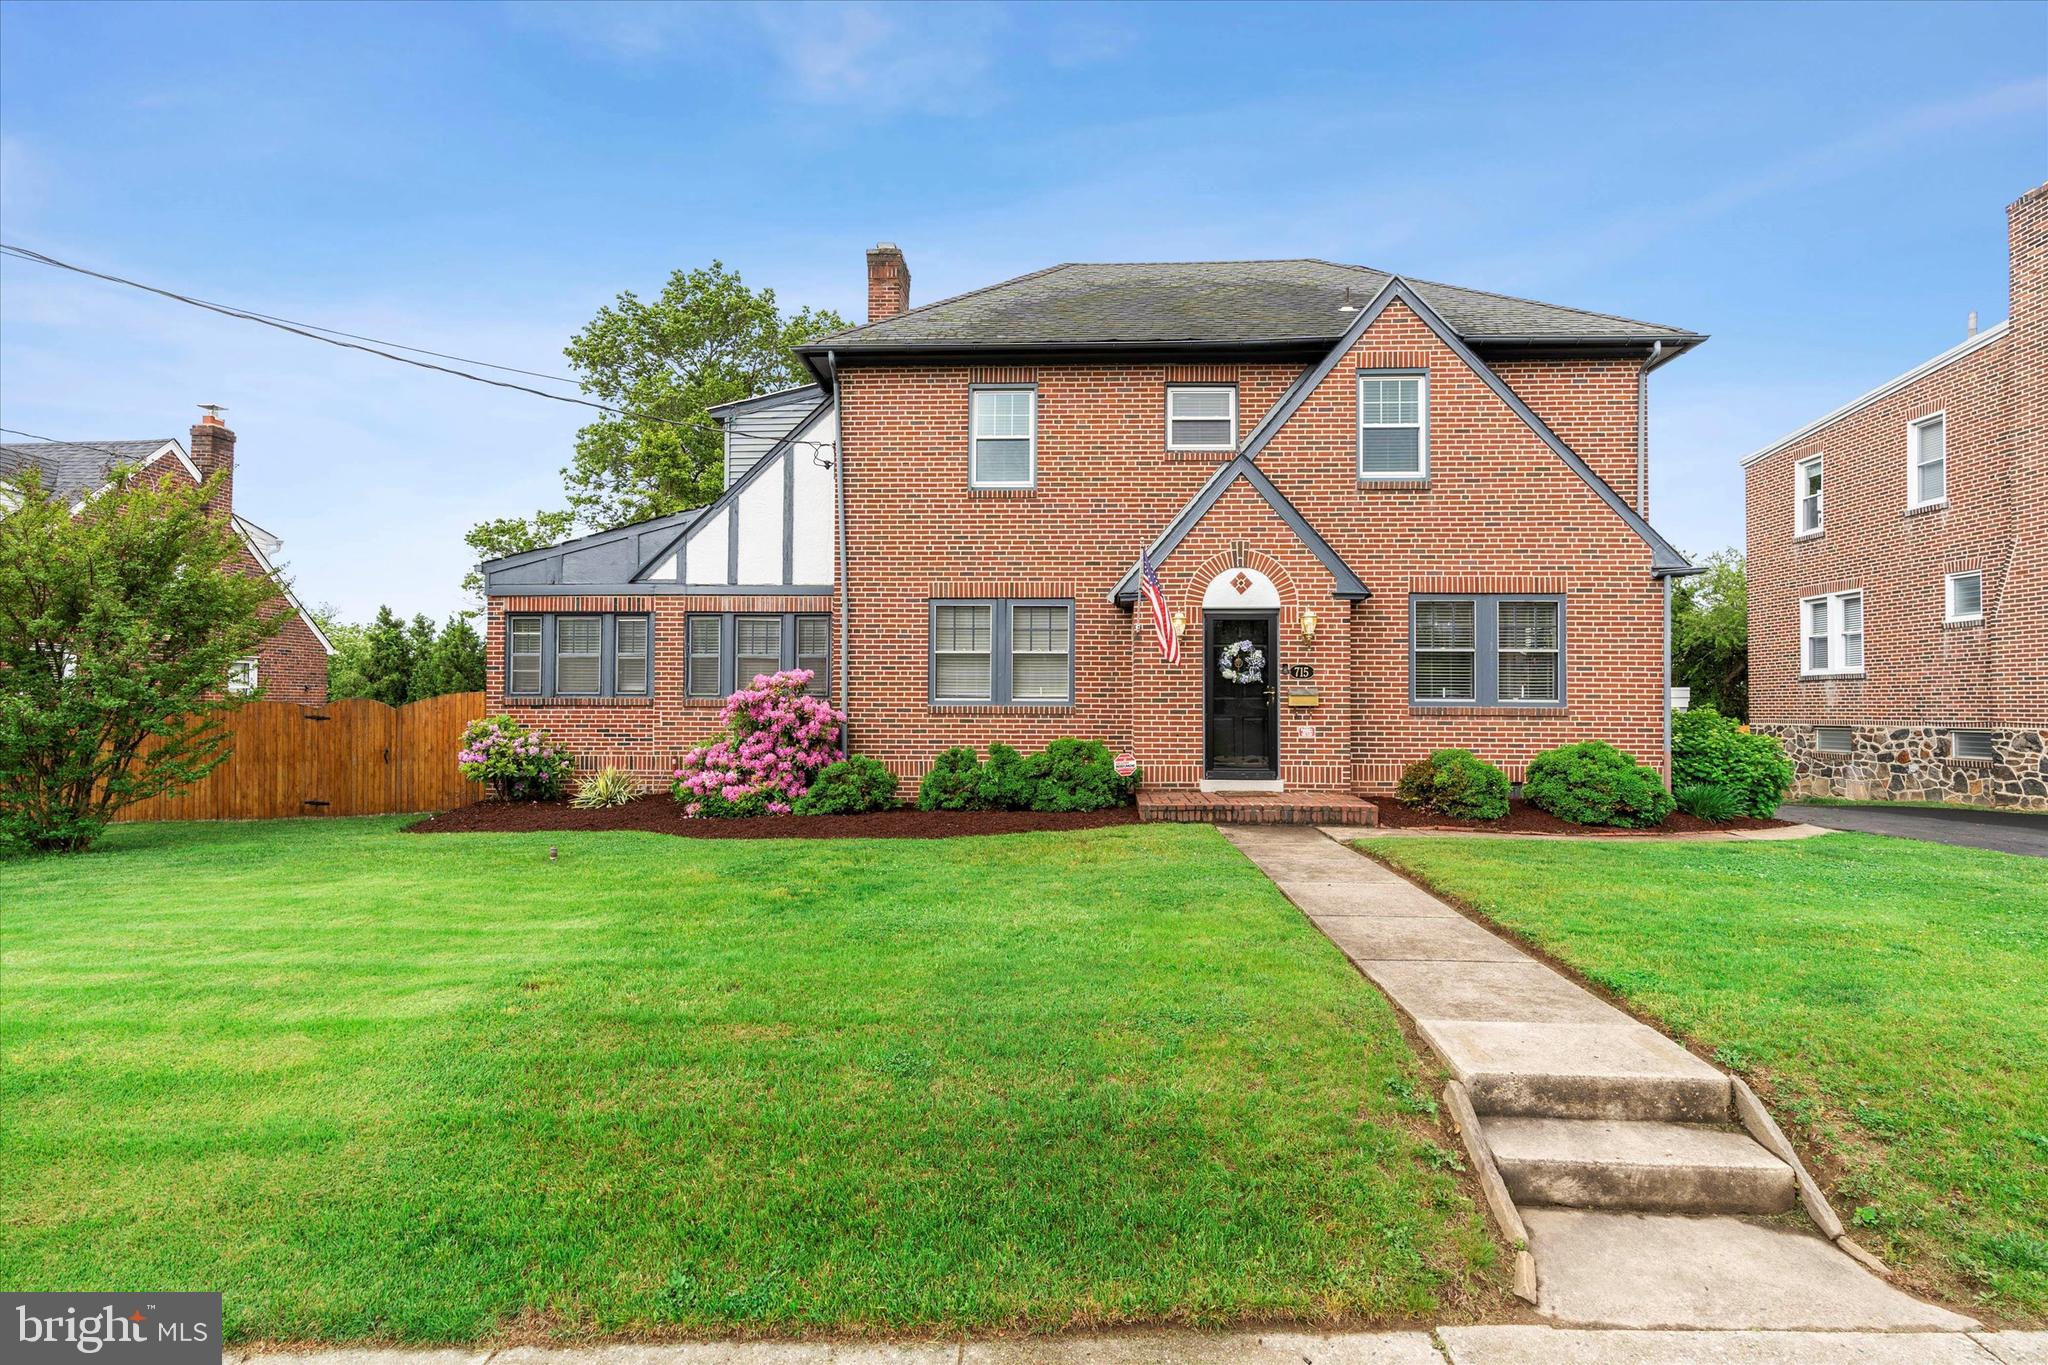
[(387, 669), (454, 662), (348, 667), (706, 339), (1710, 635), (117, 630), (419, 645)]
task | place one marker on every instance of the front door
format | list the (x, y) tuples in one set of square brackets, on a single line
[(1243, 740)]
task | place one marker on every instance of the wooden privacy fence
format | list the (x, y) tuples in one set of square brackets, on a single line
[(344, 758)]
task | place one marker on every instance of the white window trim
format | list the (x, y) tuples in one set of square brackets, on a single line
[(1948, 596), (1913, 501), (1990, 742), (1421, 377), (1171, 390), (974, 438), (242, 677), (1835, 636), (1820, 499)]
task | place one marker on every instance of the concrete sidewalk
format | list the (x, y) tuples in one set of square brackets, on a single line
[(1518, 1345)]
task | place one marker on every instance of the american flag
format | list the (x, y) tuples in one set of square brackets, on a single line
[(1155, 597)]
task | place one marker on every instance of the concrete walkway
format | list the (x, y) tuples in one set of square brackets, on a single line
[(2005, 831), (1612, 1151), (1456, 1345)]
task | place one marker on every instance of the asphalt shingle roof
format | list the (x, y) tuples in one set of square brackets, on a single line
[(1217, 301), (72, 469)]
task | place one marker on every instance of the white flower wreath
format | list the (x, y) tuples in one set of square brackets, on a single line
[(1242, 662)]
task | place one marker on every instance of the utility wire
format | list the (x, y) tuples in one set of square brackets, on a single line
[(352, 342)]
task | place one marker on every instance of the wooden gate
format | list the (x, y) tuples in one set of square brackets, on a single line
[(344, 758)]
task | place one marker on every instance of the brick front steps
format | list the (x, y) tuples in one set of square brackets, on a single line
[(1256, 808)]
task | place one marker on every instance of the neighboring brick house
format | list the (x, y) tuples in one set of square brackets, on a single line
[(292, 665), (1424, 504), (1898, 570)]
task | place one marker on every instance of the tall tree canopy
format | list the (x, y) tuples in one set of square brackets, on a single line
[(705, 339), (1710, 635)]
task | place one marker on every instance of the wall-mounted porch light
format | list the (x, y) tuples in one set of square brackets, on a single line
[(1308, 625), (1180, 624)]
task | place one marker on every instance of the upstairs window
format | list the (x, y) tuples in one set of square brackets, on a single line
[(1927, 446), (1965, 593), (242, 677), (1807, 479), (1832, 634), (1005, 438), (1393, 426), (1201, 418)]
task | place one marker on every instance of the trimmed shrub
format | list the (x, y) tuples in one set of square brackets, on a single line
[(850, 787), (1455, 782), (605, 787), (1003, 782), (1710, 749), (1707, 801), (777, 738), (1595, 783), (954, 783), (518, 762), (1077, 774)]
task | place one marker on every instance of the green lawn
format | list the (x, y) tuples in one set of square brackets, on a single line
[(1890, 997), (379, 1086)]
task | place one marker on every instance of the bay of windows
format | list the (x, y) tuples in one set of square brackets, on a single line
[(578, 654)]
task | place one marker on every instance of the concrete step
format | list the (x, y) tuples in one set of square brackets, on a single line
[(1650, 1166), (1581, 1071)]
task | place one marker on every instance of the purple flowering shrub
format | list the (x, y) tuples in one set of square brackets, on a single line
[(518, 762), (775, 742)]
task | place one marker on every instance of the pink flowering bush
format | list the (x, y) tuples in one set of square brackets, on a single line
[(519, 762), (776, 740)]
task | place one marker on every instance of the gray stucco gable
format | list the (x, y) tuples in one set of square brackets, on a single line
[(602, 558)]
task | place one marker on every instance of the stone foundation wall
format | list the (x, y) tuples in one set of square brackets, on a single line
[(1912, 763)]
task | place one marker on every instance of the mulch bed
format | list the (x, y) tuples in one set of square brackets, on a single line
[(1524, 818), (664, 815)]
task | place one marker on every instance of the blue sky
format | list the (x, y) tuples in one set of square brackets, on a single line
[(1820, 188)]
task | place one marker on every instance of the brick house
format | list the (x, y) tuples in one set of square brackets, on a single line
[(292, 665), (1425, 505), (1898, 570)]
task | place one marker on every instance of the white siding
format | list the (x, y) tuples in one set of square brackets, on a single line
[(761, 508), (704, 554), (814, 502)]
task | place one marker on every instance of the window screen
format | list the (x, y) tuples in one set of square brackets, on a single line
[(629, 656), (1390, 425), (702, 667), (1004, 434), (1445, 651), (579, 642), (1528, 651), (523, 655), (757, 648), (963, 645), (1201, 418), (1039, 653)]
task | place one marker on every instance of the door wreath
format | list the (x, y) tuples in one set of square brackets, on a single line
[(1242, 662)]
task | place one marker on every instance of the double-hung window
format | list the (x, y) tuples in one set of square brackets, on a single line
[(630, 662), (1831, 634), (814, 652), (522, 654), (999, 652), (1807, 480), (1004, 438), (242, 677), (1494, 650), (1927, 452), (579, 655), (1965, 594), (1201, 417), (757, 648), (1393, 425), (703, 676), (728, 650)]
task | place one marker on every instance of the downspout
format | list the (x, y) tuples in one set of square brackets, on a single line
[(839, 513), (1667, 682)]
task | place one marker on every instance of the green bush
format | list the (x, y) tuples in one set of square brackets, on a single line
[(1455, 782), (1004, 782), (1595, 783), (1707, 801), (1710, 749), (712, 805), (954, 783), (849, 787), (1077, 774)]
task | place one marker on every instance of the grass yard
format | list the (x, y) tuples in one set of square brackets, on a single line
[(1889, 996), (384, 1087)]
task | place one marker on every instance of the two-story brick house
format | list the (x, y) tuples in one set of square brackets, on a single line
[(1424, 505), (1898, 569)]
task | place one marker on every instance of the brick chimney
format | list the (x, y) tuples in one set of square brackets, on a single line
[(213, 449), (2026, 222), (888, 282)]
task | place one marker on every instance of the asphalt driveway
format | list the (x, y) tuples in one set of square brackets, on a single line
[(2006, 831)]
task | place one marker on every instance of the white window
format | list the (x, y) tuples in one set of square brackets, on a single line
[(579, 649), (1528, 651), (1005, 438), (1446, 653), (1201, 418), (1393, 426), (757, 643), (963, 652), (1927, 449), (1040, 652), (629, 656), (1807, 481), (1834, 739), (701, 669), (242, 677), (523, 676), (1971, 744), (1965, 592), (1833, 634)]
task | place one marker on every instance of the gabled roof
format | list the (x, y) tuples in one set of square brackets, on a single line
[(801, 393), (75, 469), (1346, 583), (1218, 303)]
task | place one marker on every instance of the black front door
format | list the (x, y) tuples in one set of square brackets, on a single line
[(1243, 740)]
